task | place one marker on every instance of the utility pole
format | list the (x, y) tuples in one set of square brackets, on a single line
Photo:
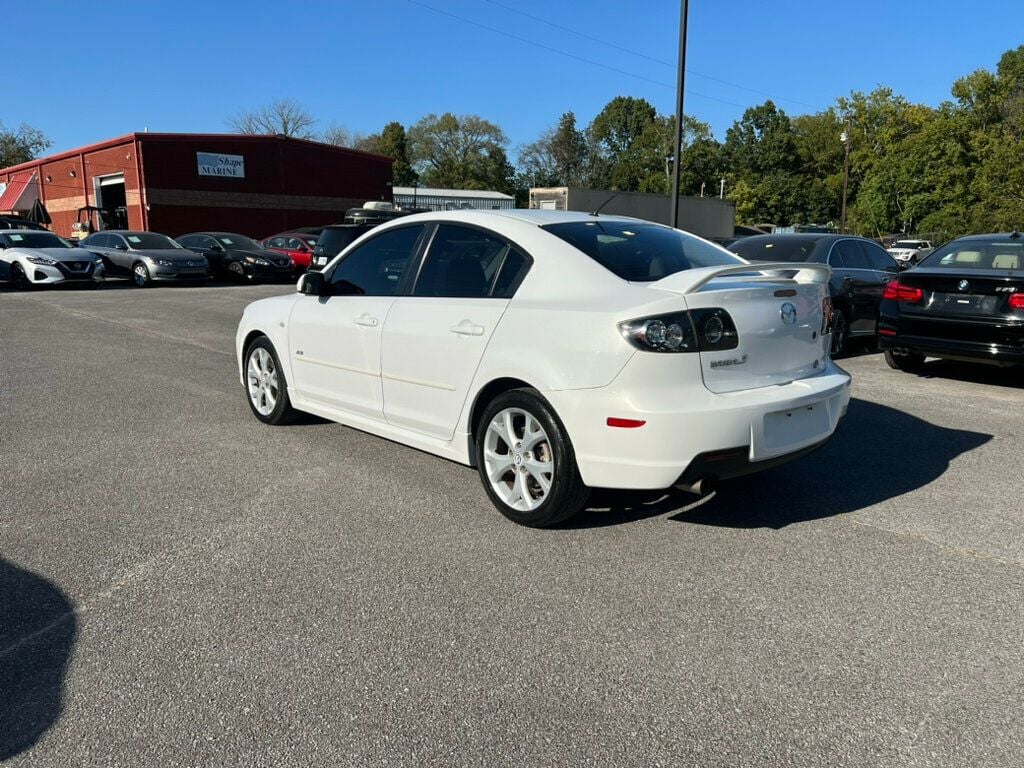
[(677, 146), (721, 189), (845, 138)]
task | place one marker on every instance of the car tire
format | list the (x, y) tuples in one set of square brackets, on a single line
[(19, 280), (521, 447), (140, 275), (236, 271), (266, 389), (840, 333), (909, 362)]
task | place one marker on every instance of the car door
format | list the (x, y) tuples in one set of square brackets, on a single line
[(885, 268), (435, 338), (859, 285), (119, 254), (99, 243), (210, 248), (334, 339)]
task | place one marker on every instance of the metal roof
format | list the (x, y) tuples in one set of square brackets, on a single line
[(436, 192), (17, 189)]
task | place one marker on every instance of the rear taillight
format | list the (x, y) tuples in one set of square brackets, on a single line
[(826, 315), (699, 330), (896, 291), (1017, 301)]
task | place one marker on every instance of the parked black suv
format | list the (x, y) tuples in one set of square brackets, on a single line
[(333, 240)]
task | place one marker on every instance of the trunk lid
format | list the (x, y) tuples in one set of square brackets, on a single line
[(777, 312), (969, 294)]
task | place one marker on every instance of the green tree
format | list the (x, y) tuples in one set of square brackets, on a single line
[(393, 143), (21, 144), (460, 152)]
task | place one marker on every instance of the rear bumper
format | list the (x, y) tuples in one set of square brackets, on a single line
[(756, 428), (954, 348)]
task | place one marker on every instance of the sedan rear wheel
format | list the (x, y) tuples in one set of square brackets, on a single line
[(265, 384), (840, 333), (526, 462), (907, 361)]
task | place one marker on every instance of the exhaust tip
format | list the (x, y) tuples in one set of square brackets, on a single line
[(703, 486)]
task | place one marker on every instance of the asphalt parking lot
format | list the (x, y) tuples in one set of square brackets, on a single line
[(183, 586)]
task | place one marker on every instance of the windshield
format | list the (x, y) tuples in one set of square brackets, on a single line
[(909, 244), (977, 254), (638, 251), (775, 248), (149, 241), (28, 238), (240, 242)]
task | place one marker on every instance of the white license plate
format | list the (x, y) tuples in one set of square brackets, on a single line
[(321, 261), (796, 426)]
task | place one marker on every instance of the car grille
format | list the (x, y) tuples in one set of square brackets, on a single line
[(77, 266)]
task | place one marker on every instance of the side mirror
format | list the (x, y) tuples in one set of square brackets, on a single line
[(121, 247), (216, 248), (312, 284)]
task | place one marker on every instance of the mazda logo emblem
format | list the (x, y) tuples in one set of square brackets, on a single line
[(788, 313), (963, 285)]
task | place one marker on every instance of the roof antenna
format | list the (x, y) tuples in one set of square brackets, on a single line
[(602, 205)]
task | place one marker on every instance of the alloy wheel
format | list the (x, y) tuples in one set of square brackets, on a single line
[(518, 459), (141, 275), (262, 379)]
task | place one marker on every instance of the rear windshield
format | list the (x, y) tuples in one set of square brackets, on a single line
[(641, 252), (977, 254), (775, 249), (28, 238)]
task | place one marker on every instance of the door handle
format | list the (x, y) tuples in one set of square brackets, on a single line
[(467, 328), (366, 320)]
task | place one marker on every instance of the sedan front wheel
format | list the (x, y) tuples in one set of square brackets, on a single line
[(141, 276), (526, 461), (265, 384)]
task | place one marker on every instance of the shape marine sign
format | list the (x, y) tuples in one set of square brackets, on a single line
[(212, 164)]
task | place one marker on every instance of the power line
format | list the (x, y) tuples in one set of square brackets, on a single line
[(560, 52), (630, 51)]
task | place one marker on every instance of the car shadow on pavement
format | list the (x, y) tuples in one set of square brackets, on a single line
[(37, 634), (878, 453), (972, 373)]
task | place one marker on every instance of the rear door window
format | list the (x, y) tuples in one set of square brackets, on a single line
[(463, 262), (851, 255)]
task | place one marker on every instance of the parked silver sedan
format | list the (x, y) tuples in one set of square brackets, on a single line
[(146, 257)]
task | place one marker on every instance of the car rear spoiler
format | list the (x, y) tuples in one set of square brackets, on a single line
[(692, 280)]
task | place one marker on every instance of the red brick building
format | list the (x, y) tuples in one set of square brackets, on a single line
[(178, 182)]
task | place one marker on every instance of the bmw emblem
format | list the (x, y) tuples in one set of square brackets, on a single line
[(963, 285), (788, 313)]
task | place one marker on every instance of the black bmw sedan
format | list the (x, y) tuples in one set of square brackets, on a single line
[(861, 268), (237, 256), (964, 301)]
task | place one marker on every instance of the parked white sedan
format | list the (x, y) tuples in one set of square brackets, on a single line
[(30, 258), (555, 352)]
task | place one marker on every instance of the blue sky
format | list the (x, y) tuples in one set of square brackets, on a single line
[(98, 70)]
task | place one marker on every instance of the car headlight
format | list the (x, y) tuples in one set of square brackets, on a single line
[(257, 260), (160, 262), (42, 260)]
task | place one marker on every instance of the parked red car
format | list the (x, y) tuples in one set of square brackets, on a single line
[(298, 245)]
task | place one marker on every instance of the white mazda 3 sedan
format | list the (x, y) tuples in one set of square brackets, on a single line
[(555, 352)]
